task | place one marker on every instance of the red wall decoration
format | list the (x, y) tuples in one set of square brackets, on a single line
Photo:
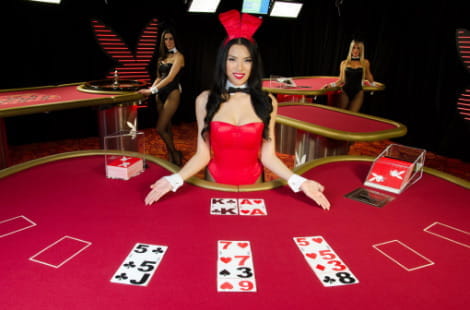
[(130, 65)]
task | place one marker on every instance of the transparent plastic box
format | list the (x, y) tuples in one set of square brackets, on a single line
[(396, 168), (124, 154)]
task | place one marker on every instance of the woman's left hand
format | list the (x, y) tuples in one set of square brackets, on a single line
[(314, 190)]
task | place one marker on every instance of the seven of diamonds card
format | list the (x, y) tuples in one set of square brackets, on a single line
[(235, 271), (325, 263), (140, 265)]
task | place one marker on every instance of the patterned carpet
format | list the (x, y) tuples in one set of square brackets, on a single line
[(185, 140)]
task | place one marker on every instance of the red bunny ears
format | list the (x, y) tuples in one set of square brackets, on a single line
[(239, 25)]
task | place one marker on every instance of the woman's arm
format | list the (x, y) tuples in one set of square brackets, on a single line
[(269, 159), (340, 81), (197, 162), (175, 68), (368, 73), (202, 156), (159, 82)]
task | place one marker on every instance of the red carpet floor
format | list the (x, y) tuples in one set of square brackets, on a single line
[(185, 140)]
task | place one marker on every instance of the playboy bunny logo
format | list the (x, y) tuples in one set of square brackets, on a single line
[(463, 47), (129, 65)]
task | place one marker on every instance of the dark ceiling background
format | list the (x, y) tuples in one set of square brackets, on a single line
[(411, 46)]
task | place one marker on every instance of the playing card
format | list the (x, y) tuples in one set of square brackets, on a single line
[(60, 252), (140, 265), (325, 263), (251, 207), (449, 233), (403, 255), (224, 206), (235, 268), (14, 225)]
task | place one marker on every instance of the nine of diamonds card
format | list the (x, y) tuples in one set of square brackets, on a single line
[(235, 272), (327, 266), (140, 265)]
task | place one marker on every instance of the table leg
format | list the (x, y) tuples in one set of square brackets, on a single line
[(3, 145), (113, 120), (285, 139), (310, 146)]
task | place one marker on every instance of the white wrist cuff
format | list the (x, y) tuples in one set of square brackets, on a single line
[(154, 90), (175, 181), (373, 84), (333, 84), (295, 181)]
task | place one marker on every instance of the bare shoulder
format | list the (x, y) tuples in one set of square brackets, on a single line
[(179, 56), (179, 59)]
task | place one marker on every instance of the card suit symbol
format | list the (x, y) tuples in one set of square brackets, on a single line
[(226, 286), (226, 260), (122, 276), (158, 250), (130, 264), (311, 255), (245, 211), (318, 240), (243, 244), (320, 267), (224, 272), (328, 279), (258, 201)]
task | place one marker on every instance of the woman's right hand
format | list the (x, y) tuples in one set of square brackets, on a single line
[(158, 190), (145, 91)]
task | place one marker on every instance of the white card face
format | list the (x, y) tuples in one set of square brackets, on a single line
[(253, 207), (235, 268), (325, 263), (224, 206), (140, 265)]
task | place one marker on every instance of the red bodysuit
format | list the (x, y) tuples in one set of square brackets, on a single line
[(235, 152)]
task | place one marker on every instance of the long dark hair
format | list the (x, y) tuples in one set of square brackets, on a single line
[(162, 49), (218, 94)]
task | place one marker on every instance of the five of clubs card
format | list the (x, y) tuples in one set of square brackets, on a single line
[(140, 265)]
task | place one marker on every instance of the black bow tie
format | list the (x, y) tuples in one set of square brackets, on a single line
[(238, 89), (171, 52)]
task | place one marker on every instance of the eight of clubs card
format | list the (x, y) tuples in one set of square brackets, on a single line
[(325, 263)]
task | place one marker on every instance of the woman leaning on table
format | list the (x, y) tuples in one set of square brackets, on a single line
[(353, 72), (235, 120), (167, 89)]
